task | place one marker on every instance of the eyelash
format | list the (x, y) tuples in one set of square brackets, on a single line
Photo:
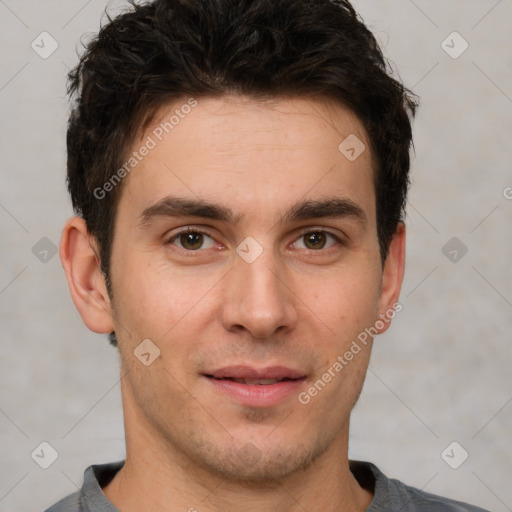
[(307, 231)]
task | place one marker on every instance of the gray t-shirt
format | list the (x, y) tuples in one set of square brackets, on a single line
[(389, 495)]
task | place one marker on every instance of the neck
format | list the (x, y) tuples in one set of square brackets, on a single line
[(158, 476)]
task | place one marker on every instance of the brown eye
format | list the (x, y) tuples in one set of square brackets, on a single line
[(315, 240), (192, 240)]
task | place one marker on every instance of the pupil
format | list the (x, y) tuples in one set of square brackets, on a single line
[(316, 240), (191, 241)]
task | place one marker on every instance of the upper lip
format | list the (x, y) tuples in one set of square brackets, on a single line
[(248, 372)]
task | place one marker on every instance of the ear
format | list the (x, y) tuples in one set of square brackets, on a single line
[(85, 280), (392, 278)]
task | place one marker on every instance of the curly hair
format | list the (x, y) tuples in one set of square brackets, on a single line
[(162, 50)]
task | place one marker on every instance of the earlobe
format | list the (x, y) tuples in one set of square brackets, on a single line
[(392, 278), (85, 279)]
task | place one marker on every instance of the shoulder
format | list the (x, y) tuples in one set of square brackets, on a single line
[(72, 503), (391, 494), (415, 500), (90, 497)]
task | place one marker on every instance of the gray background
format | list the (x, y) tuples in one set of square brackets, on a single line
[(443, 371)]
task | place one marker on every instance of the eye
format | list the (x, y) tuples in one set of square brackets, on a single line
[(192, 240), (316, 240)]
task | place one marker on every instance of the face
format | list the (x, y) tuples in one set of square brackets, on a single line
[(246, 250)]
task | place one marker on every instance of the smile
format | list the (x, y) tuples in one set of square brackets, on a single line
[(251, 387)]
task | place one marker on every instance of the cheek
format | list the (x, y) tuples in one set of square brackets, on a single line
[(348, 308), (149, 297), (155, 300), (173, 308), (348, 302)]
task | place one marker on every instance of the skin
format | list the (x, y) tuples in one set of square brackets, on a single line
[(189, 445)]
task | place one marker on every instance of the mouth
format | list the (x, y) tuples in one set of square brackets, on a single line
[(252, 382), (253, 387)]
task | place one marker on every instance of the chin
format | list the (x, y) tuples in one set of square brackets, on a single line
[(250, 465)]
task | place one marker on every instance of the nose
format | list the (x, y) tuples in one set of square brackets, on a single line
[(257, 298)]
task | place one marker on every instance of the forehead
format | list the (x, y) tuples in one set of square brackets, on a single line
[(246, 153)]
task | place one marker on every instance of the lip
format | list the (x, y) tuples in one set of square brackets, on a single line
[(248, 372), (256, 395)]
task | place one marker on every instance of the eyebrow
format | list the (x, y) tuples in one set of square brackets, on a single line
[(172, 206)]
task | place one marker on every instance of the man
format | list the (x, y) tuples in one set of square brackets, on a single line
[(239, 171)]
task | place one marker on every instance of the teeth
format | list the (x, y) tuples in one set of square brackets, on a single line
[(252, 382)]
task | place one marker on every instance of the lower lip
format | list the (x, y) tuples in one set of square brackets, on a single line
[(266, 395)]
